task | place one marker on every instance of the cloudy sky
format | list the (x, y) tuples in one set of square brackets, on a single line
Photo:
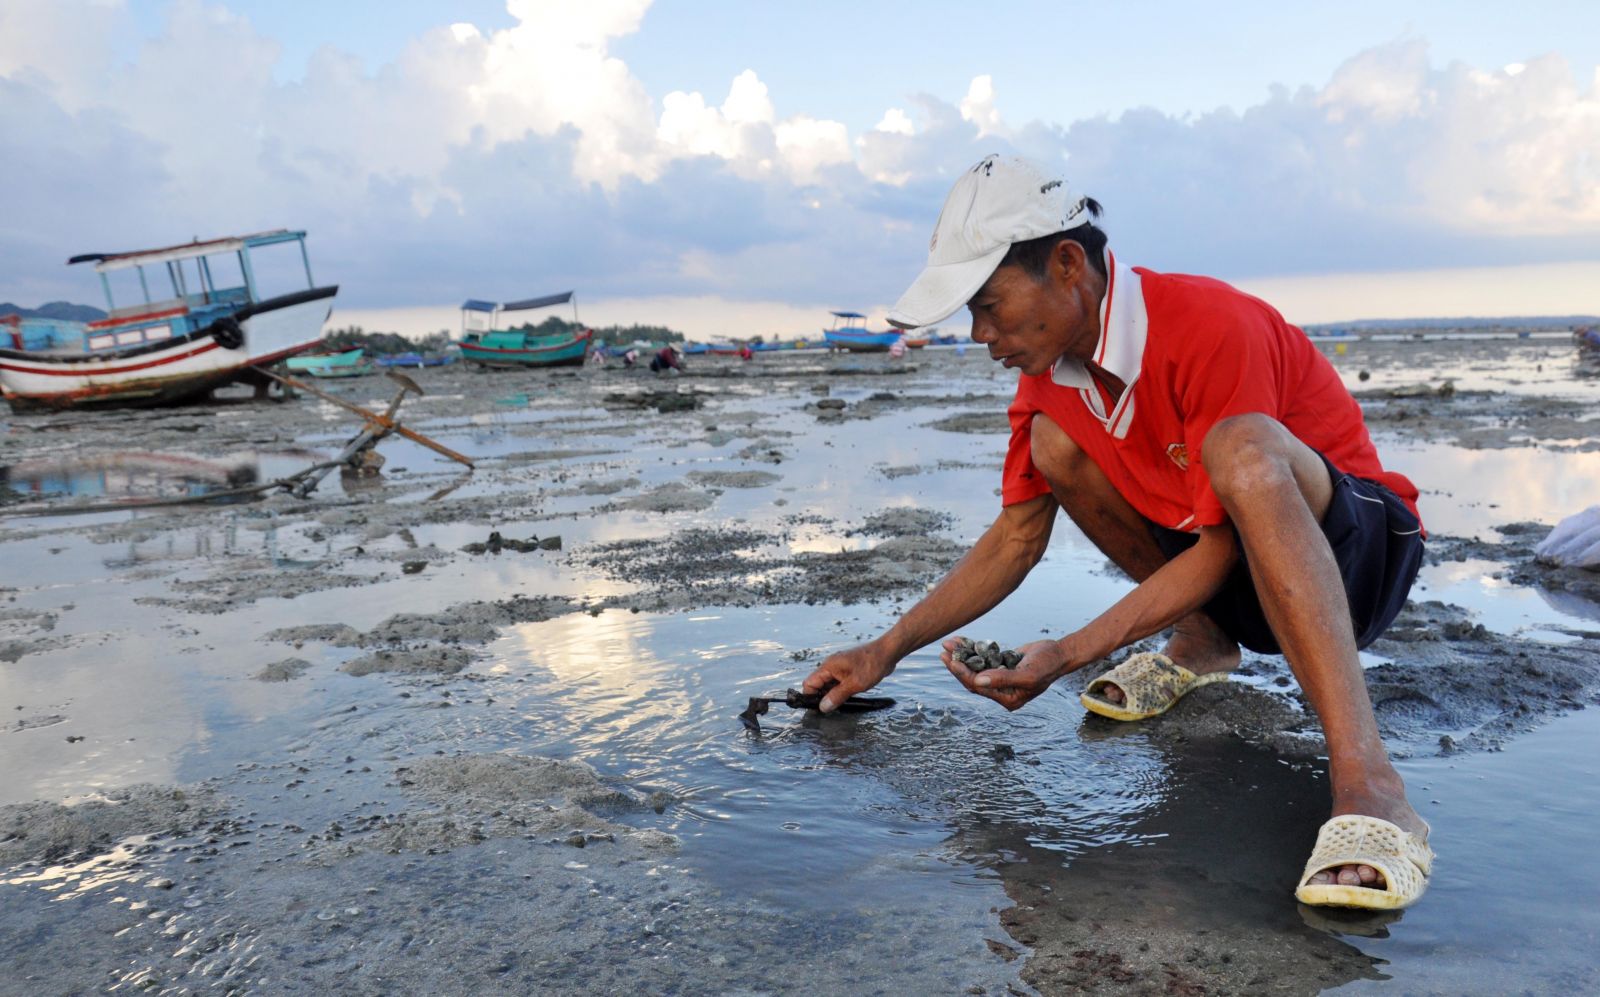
[(728, 167)]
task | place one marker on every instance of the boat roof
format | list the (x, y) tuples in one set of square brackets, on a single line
[(188, 250), (847, 314), (544, 302), (475, 305)]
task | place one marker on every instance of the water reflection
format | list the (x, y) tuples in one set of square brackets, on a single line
[(1168, 858), (1513, 484), (144, 475), (73, 880), (1201, 898), (1101, 836)]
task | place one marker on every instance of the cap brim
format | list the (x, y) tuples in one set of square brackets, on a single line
[(940, 291)]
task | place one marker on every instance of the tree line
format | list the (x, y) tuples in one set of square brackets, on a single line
[(379, 343)]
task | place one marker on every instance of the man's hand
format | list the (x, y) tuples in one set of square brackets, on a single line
[(1042, 663), (847, 673)]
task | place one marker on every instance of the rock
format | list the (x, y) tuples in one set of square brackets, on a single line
[(833, 404), (412, 567), (282, 671)]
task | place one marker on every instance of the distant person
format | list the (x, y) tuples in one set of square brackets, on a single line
[(897, 349), (1205, 446), (630, 356), (745, 352), (666, 358)]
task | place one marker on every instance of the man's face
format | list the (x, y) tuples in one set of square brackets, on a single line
[(1024, 321)]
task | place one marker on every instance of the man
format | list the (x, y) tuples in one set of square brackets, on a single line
[(666, 358), (1206, 447)]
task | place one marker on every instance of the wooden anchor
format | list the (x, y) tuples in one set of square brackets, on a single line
[(376, 427)]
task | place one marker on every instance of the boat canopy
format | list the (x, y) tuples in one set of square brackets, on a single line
[(479, 317), (847, 315), (544, 302), (105, 262)]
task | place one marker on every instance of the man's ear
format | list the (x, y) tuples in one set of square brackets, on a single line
[(1067, 261)]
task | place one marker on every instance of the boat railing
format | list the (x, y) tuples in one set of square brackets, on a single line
[(130, 313)]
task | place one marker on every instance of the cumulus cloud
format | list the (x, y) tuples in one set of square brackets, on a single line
[(532, 158)]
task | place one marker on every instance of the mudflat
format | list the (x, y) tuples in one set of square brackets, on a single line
[(447, 732)]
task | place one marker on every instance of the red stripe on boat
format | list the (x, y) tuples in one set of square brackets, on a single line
[(79, 369), (107, 323)]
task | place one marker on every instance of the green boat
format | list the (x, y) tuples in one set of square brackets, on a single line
[(350, 363), (481, 343)]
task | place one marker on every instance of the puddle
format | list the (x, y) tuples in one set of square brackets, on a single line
[(150, 475)]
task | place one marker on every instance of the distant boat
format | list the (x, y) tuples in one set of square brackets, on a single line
[(857, 338), (1587, 336), (350, 363), (162, 351), (415, 360), (483, 344)]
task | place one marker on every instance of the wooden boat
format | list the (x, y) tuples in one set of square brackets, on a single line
[(483, 344), (350, 363), (845, 335), (165, 351)]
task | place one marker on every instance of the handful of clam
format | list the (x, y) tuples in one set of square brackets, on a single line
[(981, 657)]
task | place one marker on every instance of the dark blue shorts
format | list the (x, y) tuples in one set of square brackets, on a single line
[(1376, 541)]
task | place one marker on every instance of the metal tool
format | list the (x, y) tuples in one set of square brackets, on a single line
[(379, 425), (798, 700)]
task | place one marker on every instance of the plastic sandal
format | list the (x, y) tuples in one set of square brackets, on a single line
[(1150, 683), (1401, 857)]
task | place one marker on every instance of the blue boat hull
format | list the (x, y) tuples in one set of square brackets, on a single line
[(860, 340)]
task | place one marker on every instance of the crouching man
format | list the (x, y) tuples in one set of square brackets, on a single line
[(1205, 446)]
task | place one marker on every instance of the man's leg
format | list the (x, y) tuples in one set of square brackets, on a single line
[(1114, 526), (1276, 490)]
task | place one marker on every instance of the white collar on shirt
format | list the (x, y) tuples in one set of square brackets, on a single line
[(1123, 326)]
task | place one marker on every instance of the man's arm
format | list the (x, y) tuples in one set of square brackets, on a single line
[(1176, 589), (986, 574)]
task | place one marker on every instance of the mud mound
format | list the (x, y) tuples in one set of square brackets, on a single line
[(47, 832), (904, 522)]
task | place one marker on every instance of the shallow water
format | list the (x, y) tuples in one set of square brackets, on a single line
[(937, 813)]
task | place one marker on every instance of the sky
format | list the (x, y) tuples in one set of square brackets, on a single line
[(731, 169)]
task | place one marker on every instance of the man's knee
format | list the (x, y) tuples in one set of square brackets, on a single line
[(1054, 454), (1254, 455)]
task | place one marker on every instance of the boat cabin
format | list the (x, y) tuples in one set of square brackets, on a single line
[(851, 321), (172, 291)]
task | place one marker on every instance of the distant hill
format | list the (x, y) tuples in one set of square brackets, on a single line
[(1532, 323), (55, 309)]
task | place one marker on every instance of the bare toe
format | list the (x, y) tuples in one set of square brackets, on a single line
[(1111, 693), (1348, 876), (1370, 876), (1322, 879)]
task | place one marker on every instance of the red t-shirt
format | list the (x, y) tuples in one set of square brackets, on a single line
[(1191, 351)]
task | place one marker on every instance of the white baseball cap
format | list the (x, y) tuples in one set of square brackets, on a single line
[(1001, 200)]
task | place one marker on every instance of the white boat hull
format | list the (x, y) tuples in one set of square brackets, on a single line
[(169, 372)]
